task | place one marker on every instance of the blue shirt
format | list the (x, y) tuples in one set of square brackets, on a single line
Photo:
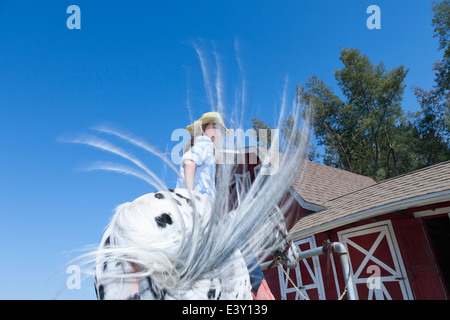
[(202, 153)]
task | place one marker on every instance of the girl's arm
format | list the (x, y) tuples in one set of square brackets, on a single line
[(189, 173)]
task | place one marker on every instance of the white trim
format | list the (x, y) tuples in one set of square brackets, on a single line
[(427, 213), (398, 274), (313, 270), (303, 203), (336, 281)]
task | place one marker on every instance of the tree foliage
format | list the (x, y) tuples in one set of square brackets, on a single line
[(364, 129), (259, 124), (289, 131), (432, 122), (441, 24), (359, 130)]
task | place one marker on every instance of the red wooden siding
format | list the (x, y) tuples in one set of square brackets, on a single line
[(418, 258)]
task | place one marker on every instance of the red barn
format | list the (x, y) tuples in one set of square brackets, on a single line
[(396, 232)]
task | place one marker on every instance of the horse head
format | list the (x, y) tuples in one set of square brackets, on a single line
[(284, 250)]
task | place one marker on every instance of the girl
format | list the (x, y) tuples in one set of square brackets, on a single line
[(198, 164), (198, 172)]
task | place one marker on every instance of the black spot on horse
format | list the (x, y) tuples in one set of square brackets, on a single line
[(101, 292), (150, 288), (183, 197), (159, 196), (159, 295), (163, 220), (211, 293), (95, 286), (136, 296), (180, 195)]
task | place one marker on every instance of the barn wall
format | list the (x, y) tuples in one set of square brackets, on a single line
[(417, 256)]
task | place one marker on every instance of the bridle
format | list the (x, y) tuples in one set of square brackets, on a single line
[(278, 258), (286, 248)]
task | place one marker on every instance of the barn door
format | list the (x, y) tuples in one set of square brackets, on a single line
[(377, 267), (423, 272)]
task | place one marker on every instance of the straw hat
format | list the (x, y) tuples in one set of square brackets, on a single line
[(209, 117)]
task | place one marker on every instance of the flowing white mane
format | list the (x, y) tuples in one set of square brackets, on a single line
[(209, 236)]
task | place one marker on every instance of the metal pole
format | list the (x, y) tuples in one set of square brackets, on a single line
[(340, 249), (336, 247), (311, 253)]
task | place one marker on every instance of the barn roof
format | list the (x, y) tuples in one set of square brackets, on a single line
[(421, 187), (317, 183)]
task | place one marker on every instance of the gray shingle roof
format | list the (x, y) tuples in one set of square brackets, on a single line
[(428, 185), (317, 183)]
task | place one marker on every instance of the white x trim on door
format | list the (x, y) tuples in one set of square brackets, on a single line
[(374, 282)]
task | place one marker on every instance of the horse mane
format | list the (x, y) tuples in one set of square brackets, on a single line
[(215, 236)]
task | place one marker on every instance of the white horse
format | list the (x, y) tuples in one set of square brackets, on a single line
[(175, 244), (150, 231)]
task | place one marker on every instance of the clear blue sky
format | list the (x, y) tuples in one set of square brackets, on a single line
[(135, 64)]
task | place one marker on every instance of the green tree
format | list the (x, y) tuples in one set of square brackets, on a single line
[(435, 103), (289, 131), (432, 122), (432, 129), (260, 124), (441, 24), (359, 132)]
